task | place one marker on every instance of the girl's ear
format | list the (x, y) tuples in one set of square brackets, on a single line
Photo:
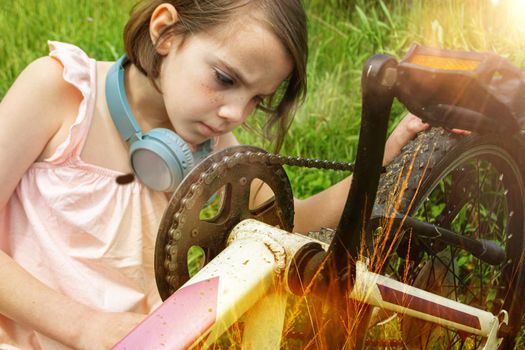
[(163, 16)]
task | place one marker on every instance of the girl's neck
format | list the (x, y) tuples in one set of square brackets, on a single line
[(145, 100)]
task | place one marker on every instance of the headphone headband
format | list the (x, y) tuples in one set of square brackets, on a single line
[(118, 102)]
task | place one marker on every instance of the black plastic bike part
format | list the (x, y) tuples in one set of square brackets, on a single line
[(484, 249), (378, 78), (334, 270), (440, 85), (465, 119), (377, 95)]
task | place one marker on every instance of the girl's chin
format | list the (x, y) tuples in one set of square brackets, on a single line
[(193, 140)]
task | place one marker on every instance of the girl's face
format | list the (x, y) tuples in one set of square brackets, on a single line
[(211, 82)]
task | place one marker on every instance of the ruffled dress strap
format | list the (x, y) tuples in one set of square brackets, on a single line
[(79, 71)]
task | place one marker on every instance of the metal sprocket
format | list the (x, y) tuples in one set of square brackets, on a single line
[(232, 171)]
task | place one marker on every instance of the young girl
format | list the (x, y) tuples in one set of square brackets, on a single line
[(76, 248)]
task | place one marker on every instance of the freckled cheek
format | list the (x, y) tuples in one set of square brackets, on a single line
[(210, 96)]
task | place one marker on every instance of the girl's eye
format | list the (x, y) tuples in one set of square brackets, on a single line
[(223, 79)]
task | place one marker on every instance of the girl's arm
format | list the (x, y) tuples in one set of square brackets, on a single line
[(323, 209), (31, 114), (31, 303), (29, 118)]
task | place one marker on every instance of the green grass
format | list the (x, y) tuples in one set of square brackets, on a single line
[(343, 37), (342, 34)]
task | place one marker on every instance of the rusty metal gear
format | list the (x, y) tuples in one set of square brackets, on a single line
[(231, 170)]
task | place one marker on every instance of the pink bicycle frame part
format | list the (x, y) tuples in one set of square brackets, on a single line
[(245, 274)]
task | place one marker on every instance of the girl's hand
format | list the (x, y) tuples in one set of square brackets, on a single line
[(404, 132), (102, 330)]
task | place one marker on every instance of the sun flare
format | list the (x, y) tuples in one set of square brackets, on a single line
[(514, 11)]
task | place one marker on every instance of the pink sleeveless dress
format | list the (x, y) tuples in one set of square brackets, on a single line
[(71, 226)]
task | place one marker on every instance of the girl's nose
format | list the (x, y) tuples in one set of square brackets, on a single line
[(234, 112)]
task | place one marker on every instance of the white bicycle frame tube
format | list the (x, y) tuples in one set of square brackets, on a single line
[(389, 294), (247, 281), (246, 275)]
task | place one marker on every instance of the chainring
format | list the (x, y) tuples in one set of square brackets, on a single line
[(229, 172)]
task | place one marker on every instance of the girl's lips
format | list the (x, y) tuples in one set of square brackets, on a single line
[(208, 131)]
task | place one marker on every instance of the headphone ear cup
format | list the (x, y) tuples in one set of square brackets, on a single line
[(161, 159)]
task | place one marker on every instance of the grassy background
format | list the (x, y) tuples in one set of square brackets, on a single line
[(343, 34)]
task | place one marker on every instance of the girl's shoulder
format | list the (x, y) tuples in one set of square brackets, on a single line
[(41, 94), (56, 99), (35, 109)]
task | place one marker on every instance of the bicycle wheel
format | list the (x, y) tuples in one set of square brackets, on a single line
[(473, 186)]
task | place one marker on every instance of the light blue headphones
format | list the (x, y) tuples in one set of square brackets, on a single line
[(159, 158)]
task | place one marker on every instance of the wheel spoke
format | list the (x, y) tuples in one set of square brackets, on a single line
[(469, 190)]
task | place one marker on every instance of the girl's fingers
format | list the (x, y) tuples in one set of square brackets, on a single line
[(461, 132)]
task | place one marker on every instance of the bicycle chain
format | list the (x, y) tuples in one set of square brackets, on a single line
[(206, 177), (306, 162)]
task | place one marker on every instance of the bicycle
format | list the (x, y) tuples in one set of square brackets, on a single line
[(253, 263)]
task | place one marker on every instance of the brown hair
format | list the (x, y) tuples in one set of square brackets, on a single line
[(286, 18)]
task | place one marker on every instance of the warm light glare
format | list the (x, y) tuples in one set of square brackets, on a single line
[(515, 11)]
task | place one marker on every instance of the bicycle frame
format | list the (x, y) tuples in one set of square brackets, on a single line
[(247, 275), (248, 282), (251, 278)]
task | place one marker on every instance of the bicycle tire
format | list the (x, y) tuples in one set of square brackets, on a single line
[(435, 167)]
